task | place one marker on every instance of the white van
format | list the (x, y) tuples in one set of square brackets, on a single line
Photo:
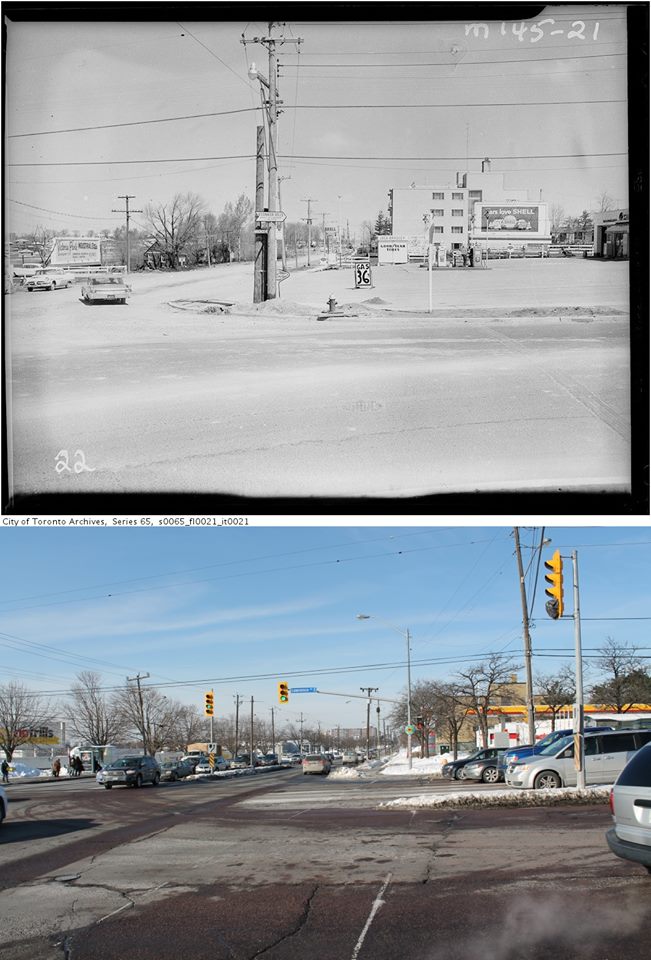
[(606, 755)]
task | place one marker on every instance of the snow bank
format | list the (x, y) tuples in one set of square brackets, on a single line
[(506, 798)]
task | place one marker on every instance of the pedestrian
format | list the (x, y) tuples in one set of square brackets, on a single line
[(5, 771), (80, 767), (56, 768)]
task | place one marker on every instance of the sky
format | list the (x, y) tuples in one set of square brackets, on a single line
[(436, 96), (238, 610)]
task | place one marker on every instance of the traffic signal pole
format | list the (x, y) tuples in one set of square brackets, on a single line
[(531, 712)]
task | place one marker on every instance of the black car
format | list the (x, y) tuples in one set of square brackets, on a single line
[(130, 772), (454, 767)]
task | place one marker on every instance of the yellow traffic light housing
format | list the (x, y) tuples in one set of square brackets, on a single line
[(209, 706), (283, 693), (554, 605)]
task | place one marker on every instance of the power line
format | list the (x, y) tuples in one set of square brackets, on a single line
[(77, 216), (250, 156), (132, 123), (456, 63)]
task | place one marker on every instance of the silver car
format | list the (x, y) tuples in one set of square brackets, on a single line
[(630, 805), (48, 279)]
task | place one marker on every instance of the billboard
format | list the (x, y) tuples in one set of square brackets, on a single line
[(510, 217), (392, 249), (71, 251)]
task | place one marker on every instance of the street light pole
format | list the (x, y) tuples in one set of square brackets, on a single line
[(406, 634)]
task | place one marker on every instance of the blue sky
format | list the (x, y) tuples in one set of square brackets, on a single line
[(367, 106), (198, 607)]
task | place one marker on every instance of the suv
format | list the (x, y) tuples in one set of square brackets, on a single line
[(3, 804), (630, 805), (130, 771), (606, 755)]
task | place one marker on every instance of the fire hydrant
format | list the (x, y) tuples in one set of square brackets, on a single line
[(332, 303)]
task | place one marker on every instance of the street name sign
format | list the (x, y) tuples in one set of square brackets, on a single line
[(270, 216), (302, 690)]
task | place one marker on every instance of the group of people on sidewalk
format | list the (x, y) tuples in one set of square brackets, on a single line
[(75, 767)]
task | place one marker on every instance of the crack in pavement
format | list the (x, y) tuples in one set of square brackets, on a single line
[(302, 920)]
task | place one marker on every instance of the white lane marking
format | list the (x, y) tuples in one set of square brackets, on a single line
[(377, 903)]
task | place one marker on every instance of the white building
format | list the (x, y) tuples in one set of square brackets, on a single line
[(478, 209)]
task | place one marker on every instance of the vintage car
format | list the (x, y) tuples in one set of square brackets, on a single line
[(46, 278), (110, 289)]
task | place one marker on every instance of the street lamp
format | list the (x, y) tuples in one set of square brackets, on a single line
[(406, 635)]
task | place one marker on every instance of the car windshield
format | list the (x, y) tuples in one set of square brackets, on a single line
[(124, 762), (102, 281), (553, 748)]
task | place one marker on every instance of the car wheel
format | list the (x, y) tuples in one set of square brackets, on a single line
[(547, 780), (107, 786), (490, 775), (156, 780), (138, 782), (456, 773)]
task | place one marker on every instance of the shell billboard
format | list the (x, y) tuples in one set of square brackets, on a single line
[(521, 219)]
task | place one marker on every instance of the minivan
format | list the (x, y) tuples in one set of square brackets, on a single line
[(606, 755)]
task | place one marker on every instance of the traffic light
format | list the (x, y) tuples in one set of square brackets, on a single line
[(554, 606), (283, 693), (209, 707), (420, 725)]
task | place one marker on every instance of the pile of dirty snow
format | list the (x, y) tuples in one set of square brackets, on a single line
[(505, 798)]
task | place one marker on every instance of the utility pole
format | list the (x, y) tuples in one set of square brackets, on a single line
[(205, 227), (238, 700), (531, 713), (272, 111), (138, 678), (579, 761), (300, 749), (126, 197), (273, 732), (308, 220), (259, 260), (369, 691)]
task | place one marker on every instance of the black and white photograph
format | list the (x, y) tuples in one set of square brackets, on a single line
[(326, 261)]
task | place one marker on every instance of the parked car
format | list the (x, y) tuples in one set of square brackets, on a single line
[(3, 803), (269, 760), (130, 772), (513, 754), (630, 805), (454, 767), (316, 763), (112, 289), (486, 770), (193, 759), (203, 767), (606, 755), (176, 769), (242, 760), (48, 278), (349, 758), (287, 758)]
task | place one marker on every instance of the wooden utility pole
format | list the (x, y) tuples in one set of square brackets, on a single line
[(531, 712), (259, 267), (138, 678), (369, 691), (126, 197), (272, 112)]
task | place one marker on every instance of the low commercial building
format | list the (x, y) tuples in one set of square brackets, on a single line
[(611, 234)]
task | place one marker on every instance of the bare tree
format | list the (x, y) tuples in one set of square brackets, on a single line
[(556, 690), (92, 714), (605, 202), (479, 685), (40, 239), (624, 669), (556, 218), (177, 224), (23, 717), (147, 713)]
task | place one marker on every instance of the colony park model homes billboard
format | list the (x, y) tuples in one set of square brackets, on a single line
[(518, 219), (73, 251)]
